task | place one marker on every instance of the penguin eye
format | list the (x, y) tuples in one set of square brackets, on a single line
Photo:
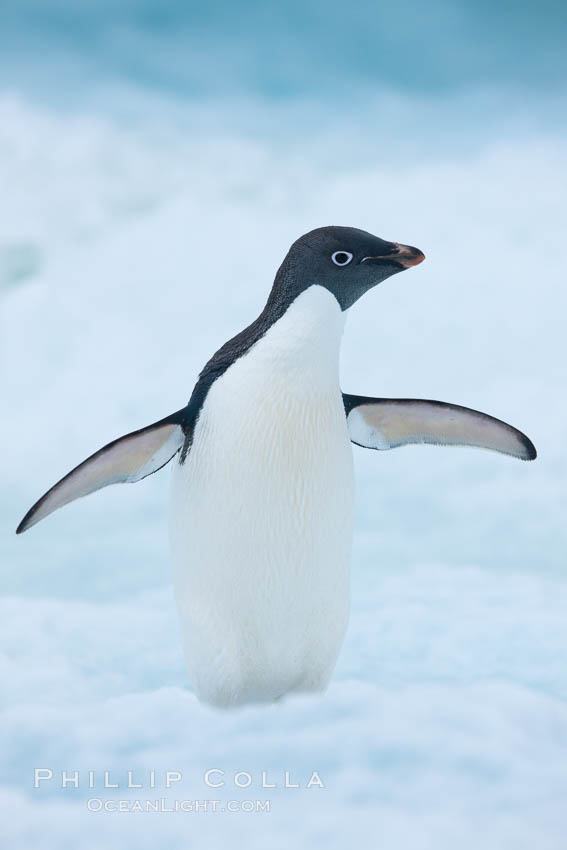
[(341, 258)]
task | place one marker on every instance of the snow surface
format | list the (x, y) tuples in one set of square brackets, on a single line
[(128, 253)]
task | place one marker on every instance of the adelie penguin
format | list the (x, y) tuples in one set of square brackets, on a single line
[(263, 488)]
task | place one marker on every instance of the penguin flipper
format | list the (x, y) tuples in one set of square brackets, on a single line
[(386, 423), (128, 459)]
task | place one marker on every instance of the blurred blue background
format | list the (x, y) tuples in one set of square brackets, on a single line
[(156, 161), (287, 49)]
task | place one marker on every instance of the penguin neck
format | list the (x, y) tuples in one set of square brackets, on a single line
[(306, 338), (296, 336)]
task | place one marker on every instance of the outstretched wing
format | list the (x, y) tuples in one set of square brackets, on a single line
[(128, 459), (386, 423)]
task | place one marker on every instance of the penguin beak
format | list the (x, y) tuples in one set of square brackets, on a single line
[(403, 255)]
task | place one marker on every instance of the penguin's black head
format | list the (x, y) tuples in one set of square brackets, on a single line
[(346, 261)]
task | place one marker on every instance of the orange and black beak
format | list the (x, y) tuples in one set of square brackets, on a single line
[(403, 255)]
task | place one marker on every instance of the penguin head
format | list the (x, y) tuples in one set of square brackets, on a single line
[(346, 261)]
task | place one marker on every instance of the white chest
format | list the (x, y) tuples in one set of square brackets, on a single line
[(261, 517)]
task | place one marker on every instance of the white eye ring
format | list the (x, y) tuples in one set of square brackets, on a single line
[(341, 258)]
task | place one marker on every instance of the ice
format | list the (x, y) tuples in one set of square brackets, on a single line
[(128, 255)]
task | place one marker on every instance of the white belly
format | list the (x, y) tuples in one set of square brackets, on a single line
[(261, 518)]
